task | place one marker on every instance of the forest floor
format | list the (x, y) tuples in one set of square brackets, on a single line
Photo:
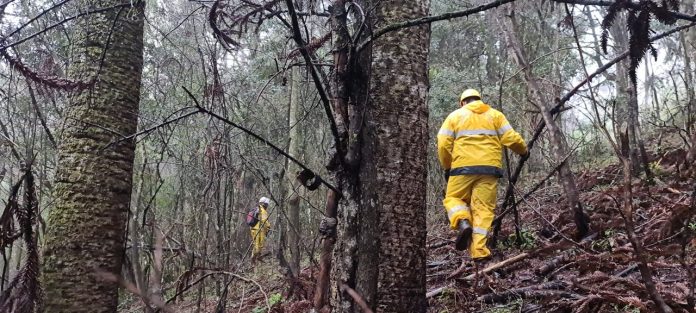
[(554, 273), (546, 270)]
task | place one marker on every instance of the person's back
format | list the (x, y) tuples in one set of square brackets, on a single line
[(470, 144), (472, 138), (261, 228)]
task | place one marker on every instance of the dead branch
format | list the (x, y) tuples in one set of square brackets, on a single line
[(357, 298), (201, 109), (488, 269), (562, 101), (500, 264), (429, 19), (297, 36), (134, 290)]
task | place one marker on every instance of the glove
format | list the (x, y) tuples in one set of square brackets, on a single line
[(447, 175)]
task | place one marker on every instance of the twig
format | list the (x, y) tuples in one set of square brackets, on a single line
[(37, 110), (249, 280), (65, 20), (297, 36), (259, 138), (429, 19), (44, 12), (153, 128), (133, 289), (561, 102)]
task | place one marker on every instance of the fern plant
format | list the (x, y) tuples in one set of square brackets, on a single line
[(639, 17)]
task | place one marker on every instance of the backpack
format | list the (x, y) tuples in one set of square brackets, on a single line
[(252, 217)]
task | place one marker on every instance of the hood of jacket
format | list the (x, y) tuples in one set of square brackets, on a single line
[(477, 107)]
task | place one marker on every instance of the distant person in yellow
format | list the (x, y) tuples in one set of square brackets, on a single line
[(470, 145), (258, 221)]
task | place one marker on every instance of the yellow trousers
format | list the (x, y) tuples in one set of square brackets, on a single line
[(472, 197), (259, 238)]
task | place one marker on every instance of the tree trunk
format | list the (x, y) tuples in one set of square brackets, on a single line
[(559, 145), (626, 113), (688, 40), (380, 252), (293, 199), (93, 185)]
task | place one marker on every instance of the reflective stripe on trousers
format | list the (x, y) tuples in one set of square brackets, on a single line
[(478, 193), (455, 209)]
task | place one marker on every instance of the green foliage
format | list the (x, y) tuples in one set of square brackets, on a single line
[(657, 169), (625, 308), (274, 299), (692, 226), (605, 243), (527, 238)]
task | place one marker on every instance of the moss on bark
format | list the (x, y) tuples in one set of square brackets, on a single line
[(93, 184)]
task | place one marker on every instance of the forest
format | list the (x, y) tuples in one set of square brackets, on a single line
[(293, 156)]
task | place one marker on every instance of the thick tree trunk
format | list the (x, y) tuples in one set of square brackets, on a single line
[(381, 244), (559, 145), (93, 184)]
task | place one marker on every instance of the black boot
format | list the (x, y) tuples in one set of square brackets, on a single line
[(464, 238)]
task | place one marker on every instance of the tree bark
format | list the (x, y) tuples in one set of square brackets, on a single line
[(559, 145), (380, 250), (93, 185), (293, 202)]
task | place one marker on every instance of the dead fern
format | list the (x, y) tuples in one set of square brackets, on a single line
[(45, 80), (23, 294), (312, 46), (639, 17), (230, 19)]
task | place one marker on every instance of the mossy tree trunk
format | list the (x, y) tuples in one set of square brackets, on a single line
[(86, 228)]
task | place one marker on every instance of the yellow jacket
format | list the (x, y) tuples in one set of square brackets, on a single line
[(471, 140), (263, 220)]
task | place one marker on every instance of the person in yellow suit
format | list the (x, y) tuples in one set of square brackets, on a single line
[(259, 231), (470, 145)]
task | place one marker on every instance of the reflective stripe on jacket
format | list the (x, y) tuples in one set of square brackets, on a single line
[(471, 140)]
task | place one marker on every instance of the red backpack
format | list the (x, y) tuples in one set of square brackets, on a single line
[(252, 217)]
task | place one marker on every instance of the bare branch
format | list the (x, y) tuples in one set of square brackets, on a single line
[(428, 20), (297, 36), (259, 138), (357, 298)]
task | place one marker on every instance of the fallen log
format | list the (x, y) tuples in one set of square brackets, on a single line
[(500, 264), (440, 244), (562, 258), (460, 270), (549, 266), (437, 291)]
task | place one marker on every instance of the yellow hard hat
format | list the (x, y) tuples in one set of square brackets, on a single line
[(469, 93)]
